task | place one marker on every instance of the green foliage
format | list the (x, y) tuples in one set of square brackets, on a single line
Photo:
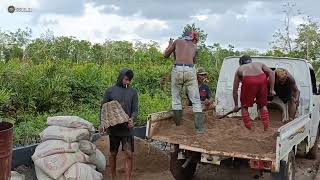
[(27, 131), (152, 103), (86, 84), (31, 92), (308, 41), (148, 81)]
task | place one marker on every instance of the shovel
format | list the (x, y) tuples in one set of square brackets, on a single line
[(230, 112)]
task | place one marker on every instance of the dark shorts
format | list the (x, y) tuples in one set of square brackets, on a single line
[(126, 141)]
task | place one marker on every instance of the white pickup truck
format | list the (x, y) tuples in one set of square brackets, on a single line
[(287, 138)]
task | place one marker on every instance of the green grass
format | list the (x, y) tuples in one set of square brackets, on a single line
[(30, 93)]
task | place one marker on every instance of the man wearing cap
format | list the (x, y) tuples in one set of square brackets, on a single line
[(184, 74), (254, 89), (286, 89), (204, 90)]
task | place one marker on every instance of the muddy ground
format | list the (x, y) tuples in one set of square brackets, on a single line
[(152, 164), (149, 163)]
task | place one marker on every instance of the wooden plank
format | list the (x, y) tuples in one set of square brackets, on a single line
[(218, 153), (228, 154), (160, 116)]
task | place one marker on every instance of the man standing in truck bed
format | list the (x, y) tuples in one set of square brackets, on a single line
[(184, 74), (253, 76)]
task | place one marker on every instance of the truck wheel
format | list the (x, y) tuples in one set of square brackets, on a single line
[(287, 169), (312, 154), (178, 172)]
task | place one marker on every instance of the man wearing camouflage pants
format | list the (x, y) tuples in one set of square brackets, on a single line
[(184, 74)]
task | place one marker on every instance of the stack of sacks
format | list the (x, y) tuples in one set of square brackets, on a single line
[(66, 152)]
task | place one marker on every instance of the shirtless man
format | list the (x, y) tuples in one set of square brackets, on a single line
[(184, 74), (286, 89), (253, 76)]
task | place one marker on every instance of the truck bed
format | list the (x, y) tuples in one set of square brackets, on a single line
[(224, 137)]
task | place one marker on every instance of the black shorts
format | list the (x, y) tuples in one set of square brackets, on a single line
[(286, 98), (124, 140)]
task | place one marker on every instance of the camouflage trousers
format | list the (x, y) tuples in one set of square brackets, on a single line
[(185, 76)]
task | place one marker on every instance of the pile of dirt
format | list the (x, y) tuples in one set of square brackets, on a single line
[(227, 134), (148, 161)]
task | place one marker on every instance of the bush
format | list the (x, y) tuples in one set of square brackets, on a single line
[(29, 93), (152, 103), (27, 131)]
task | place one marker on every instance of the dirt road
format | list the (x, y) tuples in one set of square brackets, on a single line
[(150, 163)]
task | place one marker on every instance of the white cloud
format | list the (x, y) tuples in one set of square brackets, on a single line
[(297, 20), (96, 26), (200, 17), (114, 7), (243, 23)]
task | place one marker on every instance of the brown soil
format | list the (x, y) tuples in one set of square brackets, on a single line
[(148, 161), (227, 135)]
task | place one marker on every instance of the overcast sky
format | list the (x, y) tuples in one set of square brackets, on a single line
[(242, 23)]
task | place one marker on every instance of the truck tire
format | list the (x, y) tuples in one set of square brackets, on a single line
[(312, 154), (178, 172), (287, 169)]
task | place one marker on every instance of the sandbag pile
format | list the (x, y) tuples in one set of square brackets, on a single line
[(66, 152)]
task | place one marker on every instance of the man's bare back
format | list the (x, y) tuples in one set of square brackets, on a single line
[(252, 69), (185, 51)]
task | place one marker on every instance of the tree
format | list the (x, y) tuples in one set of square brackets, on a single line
[(308, 41), (119, 51), (283, 40), (250, 52), (97, 54), (202, 36), (13, 44)]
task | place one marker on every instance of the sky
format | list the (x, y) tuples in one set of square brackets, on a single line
[(246, 24)]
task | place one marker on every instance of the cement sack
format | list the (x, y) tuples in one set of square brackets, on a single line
[(94, 167), (16, 176), (112, 114), (99, 160), (64, 133), (87, 147), (80, 171), (51, 147), (43, 176), (70, 121), (55, 165)]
